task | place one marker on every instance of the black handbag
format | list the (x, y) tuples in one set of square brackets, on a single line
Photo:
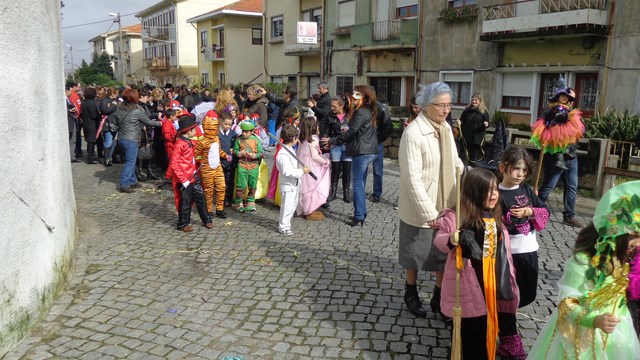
[(145, 152)]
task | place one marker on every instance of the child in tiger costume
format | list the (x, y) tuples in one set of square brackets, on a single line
[(209, 153)]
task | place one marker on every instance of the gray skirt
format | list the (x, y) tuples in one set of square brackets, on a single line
[(416, 250)]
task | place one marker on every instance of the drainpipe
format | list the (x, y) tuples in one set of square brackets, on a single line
[(418, 53), (607, 59), (324, 6)]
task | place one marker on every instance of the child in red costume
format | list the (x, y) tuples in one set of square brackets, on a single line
[(186, 184)]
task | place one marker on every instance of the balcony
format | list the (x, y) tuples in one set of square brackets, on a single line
[(214, 53), (396, 33), (158, 63), (292, 48), (156, 34), (536, 18)]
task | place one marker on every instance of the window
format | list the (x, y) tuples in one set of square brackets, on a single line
[(312, 81), (222, 79), (346, 13), (277, 27), (204, 39), (256, 36), (171, 16), (460, 83), (344, 85), (388, 89), (276, 79), (516, 91), (461, 3), (407, 11), (314, 15)]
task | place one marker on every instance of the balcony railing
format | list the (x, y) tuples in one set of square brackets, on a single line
[(158, 63), (387, 29), (536, 15), (214, 53), (291, 46)]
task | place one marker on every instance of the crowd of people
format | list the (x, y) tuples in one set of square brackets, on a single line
[(211, 148)]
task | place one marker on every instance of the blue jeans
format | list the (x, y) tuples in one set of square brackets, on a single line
[(108, 138), (271, 127), (338, 153), (128, 175), (378, 169), (550, 176), (359, 168)]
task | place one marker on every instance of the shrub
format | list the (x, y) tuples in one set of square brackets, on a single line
[(612, 125)]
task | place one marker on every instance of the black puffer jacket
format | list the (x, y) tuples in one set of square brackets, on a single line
[(385, 126), (361, 139)]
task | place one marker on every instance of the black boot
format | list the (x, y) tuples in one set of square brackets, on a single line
[(139, 173), (412, 300), (90, 153), (335, 177), (346, 181), (150, 174), (435, 303)]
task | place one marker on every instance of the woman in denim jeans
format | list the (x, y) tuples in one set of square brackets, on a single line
[(130, 117), (362, 145)]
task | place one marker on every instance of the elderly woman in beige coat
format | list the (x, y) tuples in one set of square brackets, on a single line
[(428, 160)]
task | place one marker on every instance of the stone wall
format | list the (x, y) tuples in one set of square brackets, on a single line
[(37, 206)]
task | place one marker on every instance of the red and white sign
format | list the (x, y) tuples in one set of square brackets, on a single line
[(307, 32)]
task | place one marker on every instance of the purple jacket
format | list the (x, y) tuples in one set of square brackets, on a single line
[(471, 295)]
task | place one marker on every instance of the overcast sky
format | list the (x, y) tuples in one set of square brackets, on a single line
[(78, 12)]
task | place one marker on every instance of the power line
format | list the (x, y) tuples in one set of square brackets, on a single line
[(95, 22)]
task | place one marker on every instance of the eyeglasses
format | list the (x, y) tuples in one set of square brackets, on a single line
[(442, 106)]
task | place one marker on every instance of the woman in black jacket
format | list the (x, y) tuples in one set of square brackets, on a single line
[(362, 144), (90, 117), (337, 124), (108, 106), (473, 123)]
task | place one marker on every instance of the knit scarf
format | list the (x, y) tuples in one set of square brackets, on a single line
[(489, 278), (446, 186)]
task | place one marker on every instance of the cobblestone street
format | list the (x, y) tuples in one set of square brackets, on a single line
[(143, 290)]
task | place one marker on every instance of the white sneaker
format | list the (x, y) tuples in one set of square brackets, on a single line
[(285, 232)]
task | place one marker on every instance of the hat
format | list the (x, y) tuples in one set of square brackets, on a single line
[(618, 212), (168, 86), (175, 105), (186, 122), (211, 114), (247, 126), (562, 89)]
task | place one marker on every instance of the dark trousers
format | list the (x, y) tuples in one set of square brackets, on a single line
[(230, 181), (192, 193), (474, 334), (78, 137), (526, 266)]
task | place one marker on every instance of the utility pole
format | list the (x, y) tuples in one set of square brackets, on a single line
[(121, 52), (73, 74)]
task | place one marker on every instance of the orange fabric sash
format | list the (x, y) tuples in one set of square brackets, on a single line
[(489, 277)]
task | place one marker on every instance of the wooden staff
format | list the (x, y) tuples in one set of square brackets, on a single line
[(456, 338), (292, 154), (539, 170)]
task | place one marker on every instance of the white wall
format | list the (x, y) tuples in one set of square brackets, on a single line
[(36, 178)]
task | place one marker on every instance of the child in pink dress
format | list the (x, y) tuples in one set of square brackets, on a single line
[(313, 193)]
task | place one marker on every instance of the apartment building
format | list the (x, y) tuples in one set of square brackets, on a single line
[(372, 42), (132, 61), (170, 43), (514, 53), (230, 41), (105, 43), (290, 58)]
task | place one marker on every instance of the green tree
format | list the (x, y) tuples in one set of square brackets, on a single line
[(98, 72)]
